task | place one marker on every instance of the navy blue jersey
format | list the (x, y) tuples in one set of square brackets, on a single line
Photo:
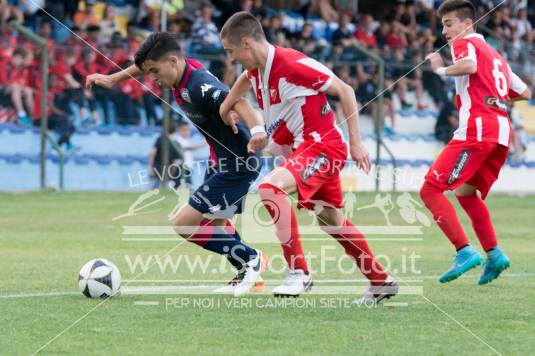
[(200, 95)]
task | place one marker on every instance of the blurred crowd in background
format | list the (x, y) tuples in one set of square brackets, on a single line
[(88, 36)]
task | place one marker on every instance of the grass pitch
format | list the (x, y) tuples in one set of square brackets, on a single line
[(45, 238)]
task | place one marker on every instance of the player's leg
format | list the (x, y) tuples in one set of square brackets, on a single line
[(221, 237), (274, 191), (15, 91), (216, 235), (333, 222), (479, 214), (28, 98), (456, 164)]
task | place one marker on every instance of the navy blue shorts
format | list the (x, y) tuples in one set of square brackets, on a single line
[(222, 194)]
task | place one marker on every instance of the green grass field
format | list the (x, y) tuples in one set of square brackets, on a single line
[(45, 238)]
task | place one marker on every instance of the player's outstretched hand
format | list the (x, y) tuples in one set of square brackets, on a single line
[(257, 142), (436, 60), (100, 80), (360, 155)]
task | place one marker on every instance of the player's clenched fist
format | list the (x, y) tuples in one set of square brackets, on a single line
[(99, 79), (257, 142), (436, 61)]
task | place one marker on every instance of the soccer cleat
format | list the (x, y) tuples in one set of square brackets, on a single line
[(375, 294), (465, 259), (496, 263), (297, 282), (249, 275), (258, 287)]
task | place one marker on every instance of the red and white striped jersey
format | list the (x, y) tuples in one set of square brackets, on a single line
[(290, 94), (482, 96)]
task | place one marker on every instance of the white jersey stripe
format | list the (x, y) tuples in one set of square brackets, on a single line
[(503, 134), (479, 129)]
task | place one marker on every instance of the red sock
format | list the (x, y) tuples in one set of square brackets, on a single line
[(481, 222), (356, 246), (203, 234), (286, 226), (444, 214)]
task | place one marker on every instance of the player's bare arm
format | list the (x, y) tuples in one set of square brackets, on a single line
[(460, 68), (254, 122), (526, 95), (108, 81), (237, 92), (345, 92)]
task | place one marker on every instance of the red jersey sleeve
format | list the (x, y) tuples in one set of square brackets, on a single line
[(309, 73), (463, 49)]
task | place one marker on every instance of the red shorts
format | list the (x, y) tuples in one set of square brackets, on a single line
[(471, 162), (316, 168)]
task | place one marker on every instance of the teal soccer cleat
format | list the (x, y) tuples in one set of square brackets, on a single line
[(496, 263), (465, 259)]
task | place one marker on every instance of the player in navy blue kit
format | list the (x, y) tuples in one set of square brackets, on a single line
[(234, 163)]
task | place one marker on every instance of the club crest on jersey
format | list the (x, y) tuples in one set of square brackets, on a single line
[(184, 94), (273, 93), (311, 169), (458, 167), (325, 109)]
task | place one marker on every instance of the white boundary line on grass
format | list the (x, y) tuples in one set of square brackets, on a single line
[(67, 293)]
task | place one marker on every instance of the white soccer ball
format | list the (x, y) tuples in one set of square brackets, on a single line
[(99, 278)]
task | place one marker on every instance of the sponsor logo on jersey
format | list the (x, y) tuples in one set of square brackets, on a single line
[(315, 166), (271, 128), (205, 87), (325, 109), (184, 93), (458, 167), (216, 94), (495, 102)]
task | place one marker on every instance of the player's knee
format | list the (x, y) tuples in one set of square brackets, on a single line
[(268, 190), (180, 227), (428, 191)]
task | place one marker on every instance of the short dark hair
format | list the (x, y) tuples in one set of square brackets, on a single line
[(464, 9), (155, 47), (19, 51), (242, 24)]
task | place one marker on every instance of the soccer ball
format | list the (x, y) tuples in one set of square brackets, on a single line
[(99, 278)]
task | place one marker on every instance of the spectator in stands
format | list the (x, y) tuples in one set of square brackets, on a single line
[(447, 121), (86, 17), (17, 81), (396, 38), (205, 34), (522, 26), (108, 24), (304, 41), (159, 170), (81, 70), (365, 32), (183, 137), (323, 8), (407, 78), (149, 97), (519, 139), (57, 112)]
